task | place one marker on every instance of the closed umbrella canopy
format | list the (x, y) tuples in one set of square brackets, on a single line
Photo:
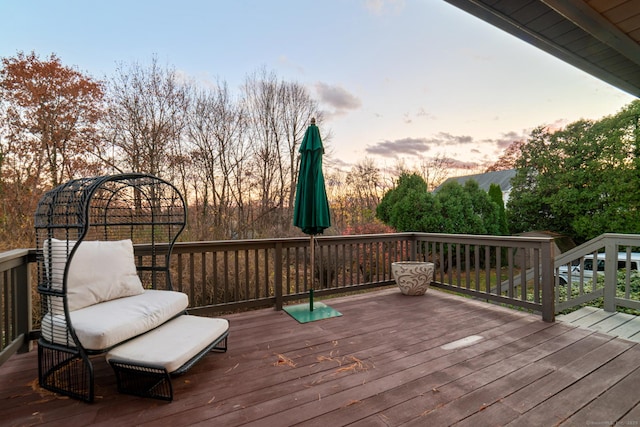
[(311, 210), (311, 215)]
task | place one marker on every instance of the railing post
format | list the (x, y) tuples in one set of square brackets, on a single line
[(413, 256), (277, 265), (610, 274), (23, 301), (548, 281)]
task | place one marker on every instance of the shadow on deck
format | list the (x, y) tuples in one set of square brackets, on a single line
[(385, 361)]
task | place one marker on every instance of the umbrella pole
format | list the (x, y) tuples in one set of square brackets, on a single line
[(313, 273)]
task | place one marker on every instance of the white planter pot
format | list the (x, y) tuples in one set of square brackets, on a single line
[(413, 277)]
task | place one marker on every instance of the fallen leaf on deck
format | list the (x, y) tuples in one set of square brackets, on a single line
[(284, 360), (231, 369)]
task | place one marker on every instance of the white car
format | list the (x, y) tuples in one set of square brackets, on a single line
[(588, 267)]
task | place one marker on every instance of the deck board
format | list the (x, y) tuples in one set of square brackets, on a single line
[(380, 363), (617, 324), (616, 400)]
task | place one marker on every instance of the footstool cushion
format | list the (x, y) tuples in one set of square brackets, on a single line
[(169, 349)]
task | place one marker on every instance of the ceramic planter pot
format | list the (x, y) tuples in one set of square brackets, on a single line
[(413, 277)]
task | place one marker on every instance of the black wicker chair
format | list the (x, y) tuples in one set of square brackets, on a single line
[(144, 209)]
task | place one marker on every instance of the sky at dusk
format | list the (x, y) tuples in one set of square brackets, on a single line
[(396, 79)]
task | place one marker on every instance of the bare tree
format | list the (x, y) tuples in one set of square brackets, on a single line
[(435, 170), (363, 191), (279, 113), (216, 130), (297, 109), (261, 103), (146, 110)]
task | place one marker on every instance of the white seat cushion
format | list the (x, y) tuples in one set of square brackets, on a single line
[(172, 344), (101, 326)]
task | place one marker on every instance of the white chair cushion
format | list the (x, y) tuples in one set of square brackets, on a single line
[(104, 325), (99, 271), (172, 344)]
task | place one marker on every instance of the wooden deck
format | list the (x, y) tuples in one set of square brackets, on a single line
[(387, 361)]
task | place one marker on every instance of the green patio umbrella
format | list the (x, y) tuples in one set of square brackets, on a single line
[(311, 209)]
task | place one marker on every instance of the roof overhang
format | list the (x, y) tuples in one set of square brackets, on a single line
[(600, 37)]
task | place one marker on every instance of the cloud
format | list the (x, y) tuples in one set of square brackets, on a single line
[(459, 164), (400, 147), (506, 140), (374, 6), (557, 125), (379, 7), (336, 163), (417, 146), (337, 97), (445, 138), (285, 61), (425, 114), (420, 115)]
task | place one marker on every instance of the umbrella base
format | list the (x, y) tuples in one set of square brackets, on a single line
[(303, 314)]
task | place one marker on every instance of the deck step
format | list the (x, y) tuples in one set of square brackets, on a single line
[(617, 324)]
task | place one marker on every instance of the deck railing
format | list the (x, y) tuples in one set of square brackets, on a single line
[(580, 281), (15, 302), (227, 275), (224, 276)]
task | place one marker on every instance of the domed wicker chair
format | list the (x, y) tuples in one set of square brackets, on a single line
[(96, 222)]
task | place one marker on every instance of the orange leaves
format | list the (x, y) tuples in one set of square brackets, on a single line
[(284, 361), (51, 117)]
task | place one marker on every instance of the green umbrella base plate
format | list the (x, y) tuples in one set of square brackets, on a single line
[(302, 314)]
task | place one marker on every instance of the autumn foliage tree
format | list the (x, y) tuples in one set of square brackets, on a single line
[(509, 158), (51, 116), (48, 118)]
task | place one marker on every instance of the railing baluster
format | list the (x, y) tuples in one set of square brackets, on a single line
[(266, 270), (511, 261), (7, 309), (457, 262), (180, 273), (536, 276), (498, 269), (225, 277), (467, 265), (192, 281), (477, 266), (214, 272), (247, 287), (203, 276)]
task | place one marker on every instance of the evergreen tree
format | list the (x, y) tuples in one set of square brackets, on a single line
[(495, 194)]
